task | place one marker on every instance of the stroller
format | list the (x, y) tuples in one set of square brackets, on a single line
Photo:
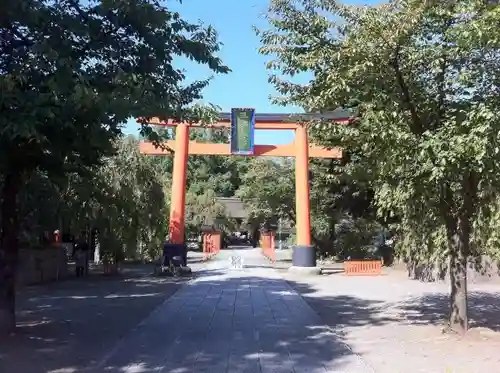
[(173, 259)]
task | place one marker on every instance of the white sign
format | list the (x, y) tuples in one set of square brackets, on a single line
[(236, 262)]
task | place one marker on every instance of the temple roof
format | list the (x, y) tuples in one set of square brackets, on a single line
[(234, 207)]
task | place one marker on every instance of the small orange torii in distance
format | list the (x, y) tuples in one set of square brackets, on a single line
[(304, 254)]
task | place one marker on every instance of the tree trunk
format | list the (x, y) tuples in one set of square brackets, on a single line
[(459, 233), (9, 250), (458, 283)]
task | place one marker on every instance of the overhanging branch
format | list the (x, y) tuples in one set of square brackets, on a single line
[(416, 124)]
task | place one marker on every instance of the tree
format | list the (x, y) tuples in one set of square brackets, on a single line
[(127, 193), (218, 173), (336, 195), (204, 209), (423, 77), (268, 189), (71, 73), (133, 209)]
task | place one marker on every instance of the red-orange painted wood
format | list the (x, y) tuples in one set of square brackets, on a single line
[(212, 242), (177, 203), (196, 148), (363, 267), (302, 202), (267, 245), (300, 149)]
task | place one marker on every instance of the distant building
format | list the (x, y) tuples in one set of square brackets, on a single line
[(235, 208)]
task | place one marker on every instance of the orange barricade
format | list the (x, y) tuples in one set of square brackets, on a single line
[(267, 245), (363, 267), (211, 244)]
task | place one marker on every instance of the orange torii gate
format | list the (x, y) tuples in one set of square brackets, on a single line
[(243, 122)]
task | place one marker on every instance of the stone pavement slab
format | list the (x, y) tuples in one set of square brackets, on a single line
[(233, 321)]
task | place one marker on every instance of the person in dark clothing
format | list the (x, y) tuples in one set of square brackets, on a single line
[(81, 256), (164, 257)]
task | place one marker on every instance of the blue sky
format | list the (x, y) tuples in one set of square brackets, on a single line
[(246, 85)]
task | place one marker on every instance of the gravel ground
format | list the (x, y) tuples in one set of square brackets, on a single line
[(395, 323)]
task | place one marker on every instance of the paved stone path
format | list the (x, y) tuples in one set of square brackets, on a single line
[(233, 321)]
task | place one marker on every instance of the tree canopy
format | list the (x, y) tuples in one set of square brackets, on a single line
[(423, 77), (71, 73)]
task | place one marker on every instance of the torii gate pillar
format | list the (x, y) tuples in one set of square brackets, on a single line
[(179, 175), (304, 254)]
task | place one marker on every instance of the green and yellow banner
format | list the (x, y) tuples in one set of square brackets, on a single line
[(242, 131)]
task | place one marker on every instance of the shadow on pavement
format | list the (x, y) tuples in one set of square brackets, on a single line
[(242, 324), (72, 323), (484, 309), (67, 327), (430, 309)]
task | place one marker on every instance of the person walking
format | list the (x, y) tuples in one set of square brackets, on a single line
[(81, 252), (80, 257)]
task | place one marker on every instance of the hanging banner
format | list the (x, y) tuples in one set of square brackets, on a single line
[(242, 131)]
